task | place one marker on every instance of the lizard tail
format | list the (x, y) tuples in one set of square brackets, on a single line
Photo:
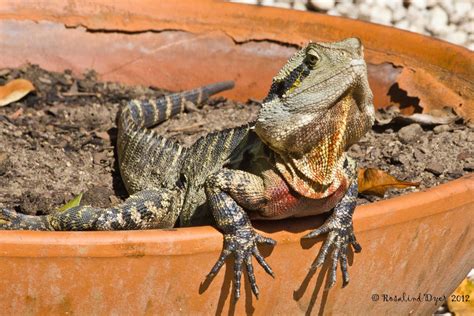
[(151, 208), (151, 112), (11, 220)]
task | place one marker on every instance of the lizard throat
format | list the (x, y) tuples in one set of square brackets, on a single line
[(318, 172)]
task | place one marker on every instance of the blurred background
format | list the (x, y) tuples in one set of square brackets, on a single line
[(449, 20)]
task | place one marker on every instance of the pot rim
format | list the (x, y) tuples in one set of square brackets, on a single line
[(244, 23), (182, 241)]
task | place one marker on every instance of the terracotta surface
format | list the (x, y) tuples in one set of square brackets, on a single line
[(419, 243), (143, 42)]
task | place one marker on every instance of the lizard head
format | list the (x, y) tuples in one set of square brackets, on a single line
[(321, 91)]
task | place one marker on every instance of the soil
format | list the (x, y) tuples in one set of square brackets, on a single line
[(59, 141)]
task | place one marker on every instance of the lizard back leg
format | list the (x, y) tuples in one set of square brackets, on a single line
[(152, 208)]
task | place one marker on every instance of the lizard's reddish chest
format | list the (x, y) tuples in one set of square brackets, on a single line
[(283, 202)]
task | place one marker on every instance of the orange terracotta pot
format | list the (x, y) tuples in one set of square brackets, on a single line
[(421, 243)]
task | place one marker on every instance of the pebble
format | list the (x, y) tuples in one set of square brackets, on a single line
[(4, 72), (323, 5), (398, 14), (4, 162), (381, 15), (435, 168), (464, 155), (450, 20), (461, 9), (418, 154), (410, 133), (438, 20), (456, 37), (441, 128), (469, 167), (421, 4), (403, 24), (394, 4)]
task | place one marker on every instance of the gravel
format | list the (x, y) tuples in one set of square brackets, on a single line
[(449, 20)]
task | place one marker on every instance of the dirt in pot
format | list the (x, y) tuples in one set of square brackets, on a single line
[(59, 141)]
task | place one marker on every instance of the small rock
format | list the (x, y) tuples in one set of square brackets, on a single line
[(468, 27), (4, 162), (464, 155), (348, 9), (103, 135), (410, 133), (114, 200), (381, 15), (4, 72), (45, 80), (405, 159), (356, 151), (457, 173), (442, 128), (470, 137), (461, 9), (435, 168), (469, 167), (284, 5), (438, 20), (417, 26), (98, 196), (418, 154), (297, 5), (86, 84), (449, 29), (403, 24), (322, 5), (398, 14), (99, 157), (364, 11), (447, 5), (420, 4), (456, 37), (394, 4)]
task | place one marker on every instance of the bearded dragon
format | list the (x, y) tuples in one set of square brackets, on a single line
[(290, 162)]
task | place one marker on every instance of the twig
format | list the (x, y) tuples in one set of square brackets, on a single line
[(79, 94)]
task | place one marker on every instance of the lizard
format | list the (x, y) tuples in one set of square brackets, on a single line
[(290, 162)]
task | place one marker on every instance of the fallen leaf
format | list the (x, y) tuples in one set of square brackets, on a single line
[(461, 302), (376, 182), (72, 203), (14, 91), (437, 117)]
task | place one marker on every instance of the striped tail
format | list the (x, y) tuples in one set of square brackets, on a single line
[(151, 112), (147, 159)]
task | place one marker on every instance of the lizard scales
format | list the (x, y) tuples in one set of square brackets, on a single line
[(290, 162)]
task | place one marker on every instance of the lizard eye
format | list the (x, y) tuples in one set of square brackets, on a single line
[(311, 60)]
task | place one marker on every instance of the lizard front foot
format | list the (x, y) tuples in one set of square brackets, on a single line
[(341, 235), (243, 244)]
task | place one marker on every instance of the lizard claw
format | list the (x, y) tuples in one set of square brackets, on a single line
[(340, 236), (243, 245)]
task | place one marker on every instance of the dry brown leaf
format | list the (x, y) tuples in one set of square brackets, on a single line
[(376, 182), (461, 302), (14, 91)]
